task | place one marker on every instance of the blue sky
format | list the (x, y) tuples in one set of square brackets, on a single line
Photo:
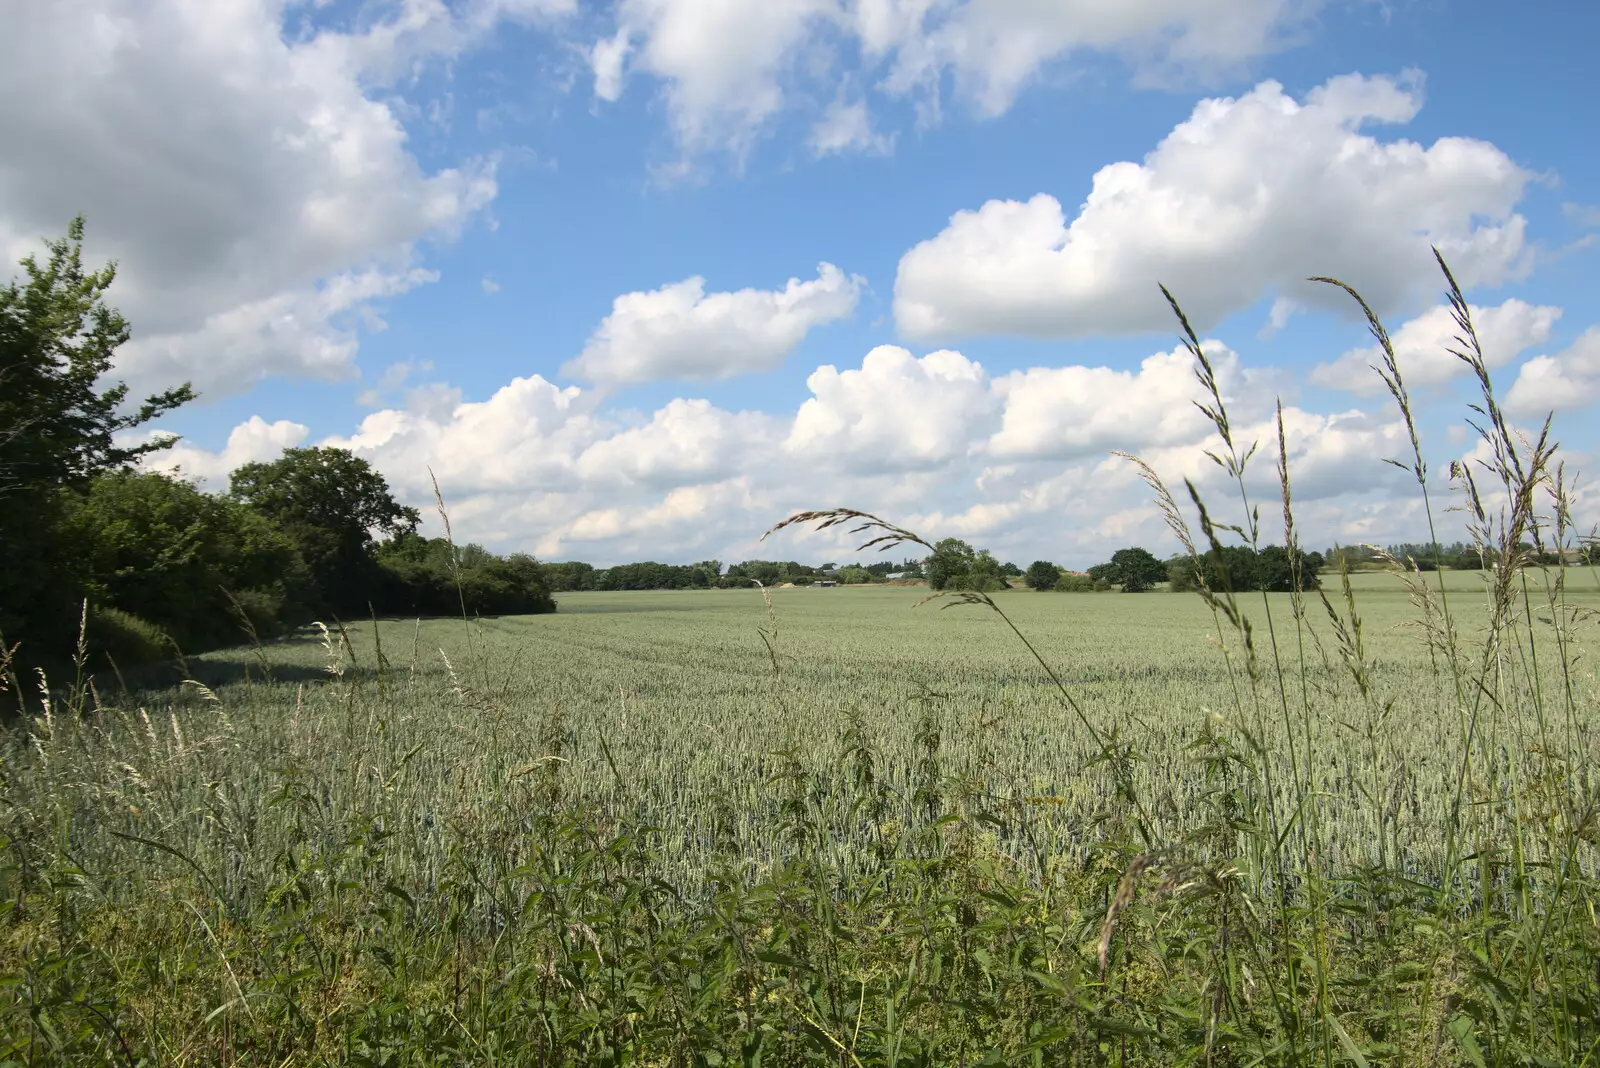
[(636, 280)]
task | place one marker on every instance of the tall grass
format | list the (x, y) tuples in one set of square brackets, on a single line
[(450, 860)]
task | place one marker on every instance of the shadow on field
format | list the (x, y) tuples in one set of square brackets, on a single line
[(214, 669), (213, 674)]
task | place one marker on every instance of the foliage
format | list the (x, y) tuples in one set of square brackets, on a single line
[(950, 564), (766, 572), (986, 574), (1182, 574), (122, 639), (1240, 568), (1041, 575), (58, 338), (186, 561), (58, 429), (955, 565), (1071, 582), (1136, 569), (650, 575), (569, 575), (432, 577), (329, 502)]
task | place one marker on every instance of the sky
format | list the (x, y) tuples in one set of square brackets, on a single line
[(637, 280)]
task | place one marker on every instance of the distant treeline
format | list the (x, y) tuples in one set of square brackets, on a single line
[(710, 574), (1457, 556), (1136, 569)]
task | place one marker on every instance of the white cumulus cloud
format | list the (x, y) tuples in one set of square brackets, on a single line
[(682, 332), (251, 441), (528, 435), (898, 412), (685, 441), (1064, 412), (1564, 382), (1422, 346), (1246, 197), (257, 195), (721, 64), (1019, 464)]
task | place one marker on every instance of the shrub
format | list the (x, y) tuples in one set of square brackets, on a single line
[(1181, 575), (125, 638), (1041, 575), (263, 609), (1074, 583)]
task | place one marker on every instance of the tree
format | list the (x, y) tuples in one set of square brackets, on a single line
[(950, 564), (329, 501), (58, 429), (426, 576), (1181, 573), (1042, 575), (986, 574), (185, 561), (1275, 571), (1010, 570), (1137, 569), (569, 575)]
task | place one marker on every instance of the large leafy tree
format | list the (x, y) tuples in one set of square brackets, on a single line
[(61, 424), (950, 564), (1042, 575), (330, 502), (987, 574), (1137, 569)]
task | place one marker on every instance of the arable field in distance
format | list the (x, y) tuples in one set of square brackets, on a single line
[(684, 691), (827, 826)]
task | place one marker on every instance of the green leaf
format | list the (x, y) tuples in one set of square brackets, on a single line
[(1460, 1028), (1345, 1041)]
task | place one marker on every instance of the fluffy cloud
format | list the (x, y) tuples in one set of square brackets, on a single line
[(896, 413), (679, 331), (1563, 382), (253, 440), (526, 437), (1422, 346), (256, 197), (727, 69), (686, 441), (1068, 412), (1019, 464), (1246, 197), (721, 63)]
